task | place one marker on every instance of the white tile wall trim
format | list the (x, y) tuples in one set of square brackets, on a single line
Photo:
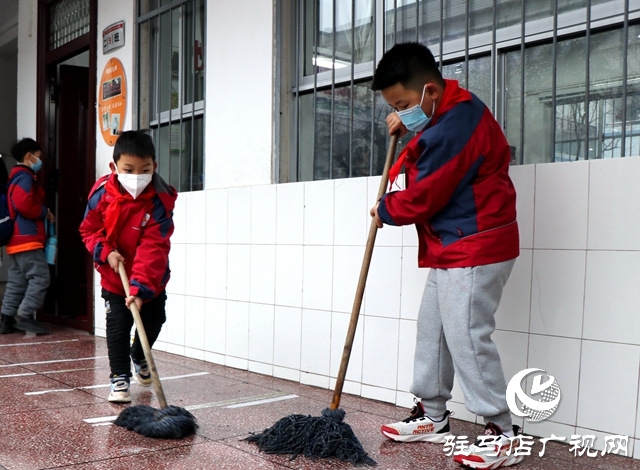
[(266, 283)]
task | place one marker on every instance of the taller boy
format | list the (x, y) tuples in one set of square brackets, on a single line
[(129, 218), (463, 203)]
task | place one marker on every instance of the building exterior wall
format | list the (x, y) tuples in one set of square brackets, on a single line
[(263, 275)]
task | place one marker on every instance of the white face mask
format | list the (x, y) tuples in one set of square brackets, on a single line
[(134, 184)]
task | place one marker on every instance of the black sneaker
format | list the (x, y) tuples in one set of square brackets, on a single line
[(7, 325), (31, 325)]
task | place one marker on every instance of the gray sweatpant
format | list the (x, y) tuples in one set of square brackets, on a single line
[(455, 324), (27, 284)]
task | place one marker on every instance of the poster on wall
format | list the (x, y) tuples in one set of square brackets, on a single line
[(112, 101)]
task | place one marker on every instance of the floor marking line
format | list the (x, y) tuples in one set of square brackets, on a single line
[(51, 362), (89, 387), (39, 342), (261, 402), (253, 399), (17, 375)]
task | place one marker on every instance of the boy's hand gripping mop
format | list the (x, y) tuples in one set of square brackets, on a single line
[(328, 435), (169, 422)]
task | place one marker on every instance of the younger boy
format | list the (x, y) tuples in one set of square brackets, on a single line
[(463, 204), (29, 272), (129, 218)]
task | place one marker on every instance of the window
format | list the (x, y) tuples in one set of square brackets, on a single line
[(559, 90), (171, 87)]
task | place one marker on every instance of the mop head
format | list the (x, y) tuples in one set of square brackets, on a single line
[(313, 437), (171, 422)]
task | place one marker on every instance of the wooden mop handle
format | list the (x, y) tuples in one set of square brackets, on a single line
[(364, 271), (143, 338)]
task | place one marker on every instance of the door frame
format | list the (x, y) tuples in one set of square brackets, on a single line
[(46, 131)]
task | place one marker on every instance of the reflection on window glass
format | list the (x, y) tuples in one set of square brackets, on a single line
[(512, 104), (171, 88), (350, 141), (632, 146), (537, 104), (353, 35)]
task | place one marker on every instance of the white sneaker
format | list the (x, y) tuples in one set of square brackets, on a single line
[(120, 389), (141, 373), (494, 451), (418, 427)]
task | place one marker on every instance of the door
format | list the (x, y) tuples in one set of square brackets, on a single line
[(68, 300)]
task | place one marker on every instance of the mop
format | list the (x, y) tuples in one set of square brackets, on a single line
[(169, 422), (328, 435)]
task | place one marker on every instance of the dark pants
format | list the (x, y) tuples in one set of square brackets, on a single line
[(119, 323)]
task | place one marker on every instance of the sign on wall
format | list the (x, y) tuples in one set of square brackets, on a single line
[(113, 36), (112, 100)]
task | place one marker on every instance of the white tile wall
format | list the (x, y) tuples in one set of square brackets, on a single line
[(195, 275), (237, 323), (318, 212), (317, 284), (216, 218), (614, 218), (608, 387), (280, 266), (380, 352), (315, 356), (383, 283), (413, 281), (561, 205), (513, 311), (524, 179), (196, 212), (290, 214), (612, 296), (557, 298), (239, 215), (263, 220)]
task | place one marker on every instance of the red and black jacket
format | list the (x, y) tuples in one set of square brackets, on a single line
[(144, 229), (26, 201), (459, 194)]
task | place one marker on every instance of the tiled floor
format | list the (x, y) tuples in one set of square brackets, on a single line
[(49, 386)]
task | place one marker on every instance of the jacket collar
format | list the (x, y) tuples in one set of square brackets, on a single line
[(452, 95)]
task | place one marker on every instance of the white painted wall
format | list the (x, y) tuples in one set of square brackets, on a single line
[(27, 68), (110, 12), (239, 93)]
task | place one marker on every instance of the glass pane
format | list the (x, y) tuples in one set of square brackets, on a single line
[(454, 19), (194, 54), (341, 133), (509, 13), (145, 6), (322, 147), (480, 79), (406, 15), (68, 20), (147, 72), (537, 104), (512, 104), (632, 146), (480, 16), (306, 138), (361, 140), (358, 41), (429, 24), (455, 72), (605, 95), (175, 156), (571, 118), (162, 151), (164, 67), (176, 15)]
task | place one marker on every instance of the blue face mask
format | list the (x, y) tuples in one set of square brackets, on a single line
[(37, 166), (414, 118)]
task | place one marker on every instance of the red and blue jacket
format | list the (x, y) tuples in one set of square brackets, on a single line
[(144, 227), (458, 194), (26, 201)]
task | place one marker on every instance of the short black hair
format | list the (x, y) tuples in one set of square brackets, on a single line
[(135, 143), (411, 64), (23, 147)]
